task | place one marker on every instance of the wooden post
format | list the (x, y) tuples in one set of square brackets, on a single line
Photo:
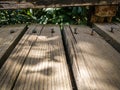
[(89, 15)]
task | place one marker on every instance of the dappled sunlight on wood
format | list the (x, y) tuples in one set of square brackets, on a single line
[(38, 62), (94, 62), (45, 38), (45, 66)]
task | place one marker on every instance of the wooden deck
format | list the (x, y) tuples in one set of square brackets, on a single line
[(113, 37), (95, 64), (9, 36), (41, 61), (38, 62)]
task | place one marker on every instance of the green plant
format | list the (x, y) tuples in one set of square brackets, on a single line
[(65, 15)]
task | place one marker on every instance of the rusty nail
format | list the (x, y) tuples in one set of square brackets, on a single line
[(92, 32), (112, 29), (75, 30)]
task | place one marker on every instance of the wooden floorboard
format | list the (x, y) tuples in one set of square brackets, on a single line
[(111, 37), (9, 37), (45, 67), (94, 62), (10, 70)]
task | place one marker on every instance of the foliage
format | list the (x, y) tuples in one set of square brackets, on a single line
[(66, 15), (117, 18)]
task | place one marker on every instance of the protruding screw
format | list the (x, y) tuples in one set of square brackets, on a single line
[(75, 30), (92, 32), (52, 30), (112, 29)]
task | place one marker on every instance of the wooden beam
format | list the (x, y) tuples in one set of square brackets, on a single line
[(17, 4)]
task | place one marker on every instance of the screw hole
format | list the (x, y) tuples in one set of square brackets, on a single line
[(52, 30), (34, 31), (12, 31)]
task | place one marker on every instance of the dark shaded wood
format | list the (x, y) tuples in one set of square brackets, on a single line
[(94, 62), (110, 32), (14, 4), (12, 67), (9, 37)]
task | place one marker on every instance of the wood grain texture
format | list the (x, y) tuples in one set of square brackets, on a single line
[(14, 4), (113, 37), (10, 70), (94, 62), (45, 67), (9, 37), (38, 62)]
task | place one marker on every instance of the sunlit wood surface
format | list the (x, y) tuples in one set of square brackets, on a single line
[(95, 63), (37, 63), (9, 35), (110, 32), (15, 4)]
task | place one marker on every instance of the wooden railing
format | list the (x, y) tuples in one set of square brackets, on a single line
[(15, 4)]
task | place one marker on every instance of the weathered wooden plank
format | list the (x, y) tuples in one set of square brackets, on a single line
[(110, 32), (94, 62), (9, 37), (12, 67), (14, 4), (117, 24), (45, 67)]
